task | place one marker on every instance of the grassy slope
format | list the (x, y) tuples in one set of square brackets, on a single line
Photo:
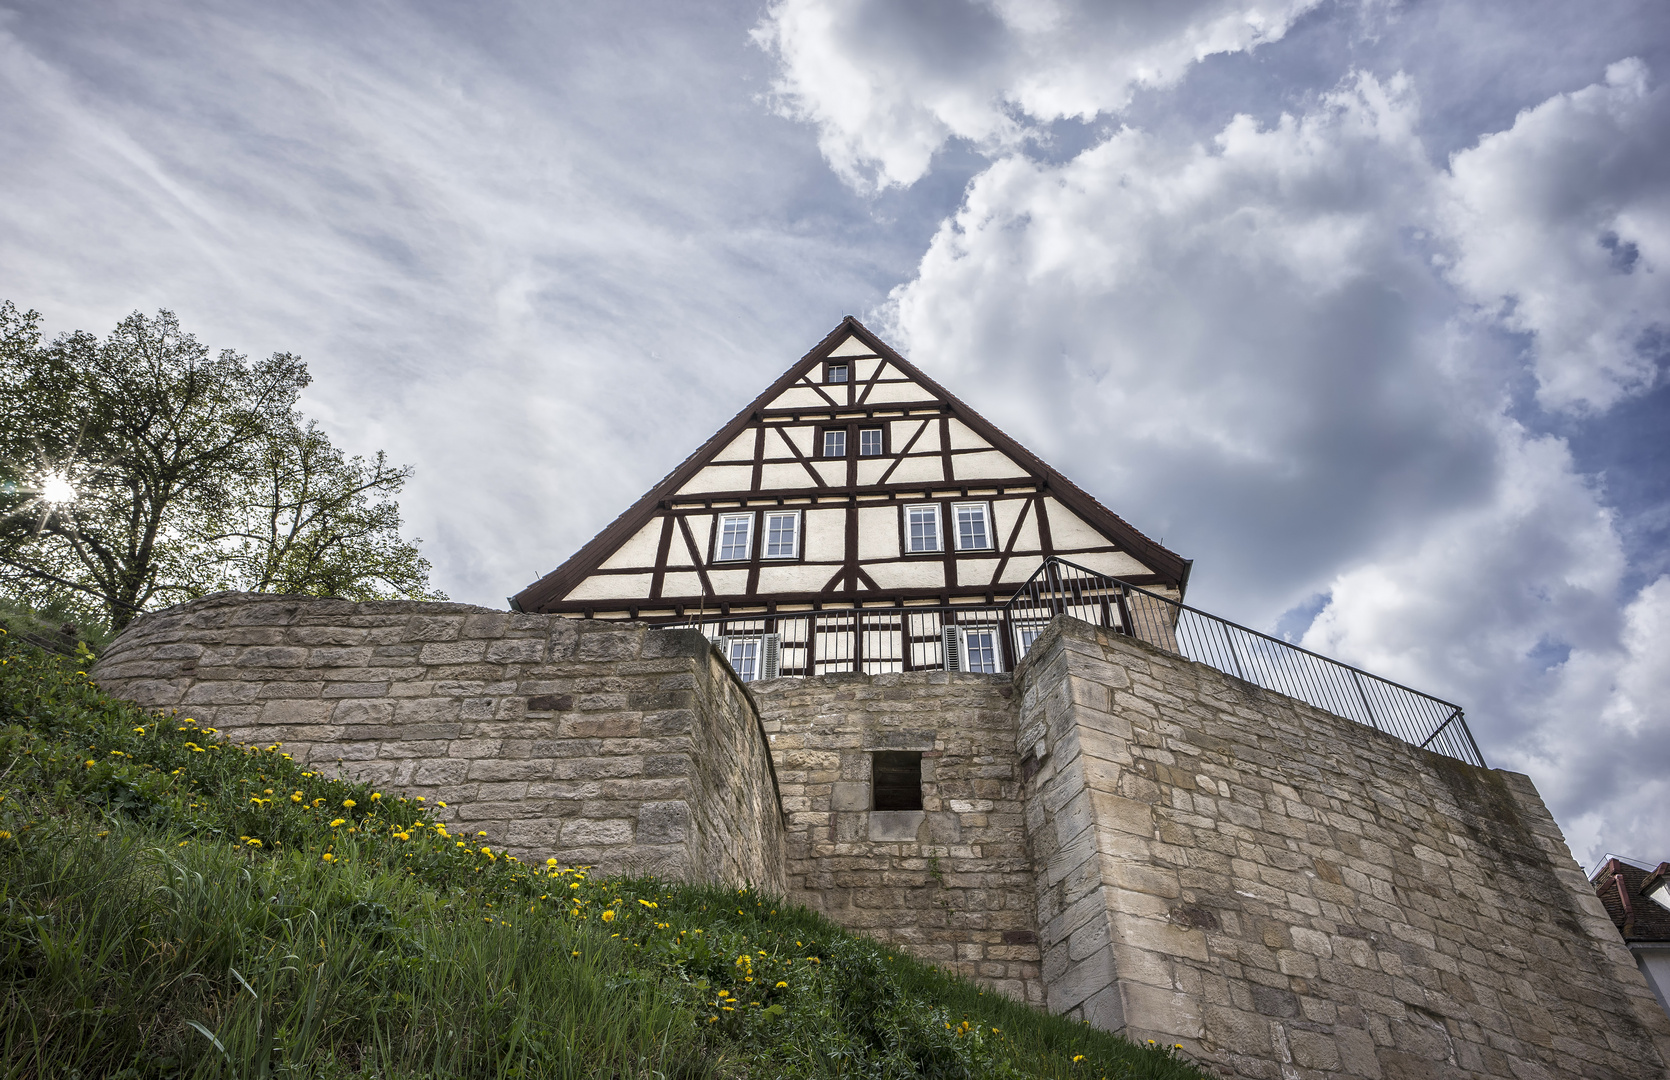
[(172, 905)]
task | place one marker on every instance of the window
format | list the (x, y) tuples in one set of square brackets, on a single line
[(971, 649), (745, 658), (973, 532), (922, 528), (980, 650), (835, 444), (869, 442), (837, 373), (782, 535), (896, 779), (757, 656), (736, 534)]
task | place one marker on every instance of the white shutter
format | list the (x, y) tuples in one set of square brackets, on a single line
[(771, 658), (724, 644), (953, 648)]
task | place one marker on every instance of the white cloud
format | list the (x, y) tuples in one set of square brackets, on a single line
[(1254, 348), (888, 84), (1562, 226), (1239, 343), (495, 265)]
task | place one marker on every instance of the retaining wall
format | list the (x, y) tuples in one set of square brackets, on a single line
[(611, 744), (1134, 839), (952, 882), (1290, 894)]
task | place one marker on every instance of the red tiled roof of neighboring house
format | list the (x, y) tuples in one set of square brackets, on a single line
[(1623, 888)]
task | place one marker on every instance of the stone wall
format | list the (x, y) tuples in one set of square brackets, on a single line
[(1128, 837), (1289, 894), (631, 749), (951, 883)]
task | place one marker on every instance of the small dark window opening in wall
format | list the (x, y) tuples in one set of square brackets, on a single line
[(896, 779)]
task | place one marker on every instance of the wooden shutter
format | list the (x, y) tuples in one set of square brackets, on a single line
[(953, 648), (771, 656)]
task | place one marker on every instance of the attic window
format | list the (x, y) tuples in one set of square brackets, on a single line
[(836, 373), (896, 779), (835, 444), (869, 442)]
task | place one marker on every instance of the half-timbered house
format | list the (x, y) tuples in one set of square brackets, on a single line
[(854, 516)]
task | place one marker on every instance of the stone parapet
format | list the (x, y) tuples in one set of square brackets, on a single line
[(611, 744)]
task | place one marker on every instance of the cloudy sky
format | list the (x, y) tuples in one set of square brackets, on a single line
[(1364, 306)]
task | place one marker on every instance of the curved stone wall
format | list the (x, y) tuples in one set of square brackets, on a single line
[(611, 744)]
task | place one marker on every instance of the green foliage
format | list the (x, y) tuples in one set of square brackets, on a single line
[(143, 470), (173, 905)]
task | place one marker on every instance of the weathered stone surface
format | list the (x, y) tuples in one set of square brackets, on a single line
[(1287, 893), (948, 892), (491, 713), (1137, 840)]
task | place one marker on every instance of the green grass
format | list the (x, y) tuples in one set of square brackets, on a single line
[(172, 905)]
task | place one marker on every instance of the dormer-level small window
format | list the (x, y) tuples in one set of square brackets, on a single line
[(835, 444), (836, 373), (869, 442), (736, 533)]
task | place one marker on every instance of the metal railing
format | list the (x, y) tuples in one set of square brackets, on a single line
[(873, 640), (1060, 587), (882, 638)]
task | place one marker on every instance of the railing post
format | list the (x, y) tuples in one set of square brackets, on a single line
[(1358, 679), (1119, 598), (1229, 639)]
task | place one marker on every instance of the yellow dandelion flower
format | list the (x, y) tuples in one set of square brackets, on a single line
[(550, 862), (1076, 1057), (375, 795), (574, 885), (4, 835), (781, 985), (254, 842), (349, 803), (609, 915), (139, 731), (462, 844), (441, 804), (89, 763)]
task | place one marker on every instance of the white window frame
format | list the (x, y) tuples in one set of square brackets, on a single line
[(939, 533), (752, 656), (956, 648), (829, 374), (1025, 634), (794, 535), (747, 541), (881, 442), (986, 520), (835, 433)]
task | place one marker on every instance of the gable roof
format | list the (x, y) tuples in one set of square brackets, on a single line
[(1171, 568), (1637, 916)]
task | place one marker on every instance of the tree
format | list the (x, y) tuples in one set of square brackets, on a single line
[(142, 470), (306, 520)]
